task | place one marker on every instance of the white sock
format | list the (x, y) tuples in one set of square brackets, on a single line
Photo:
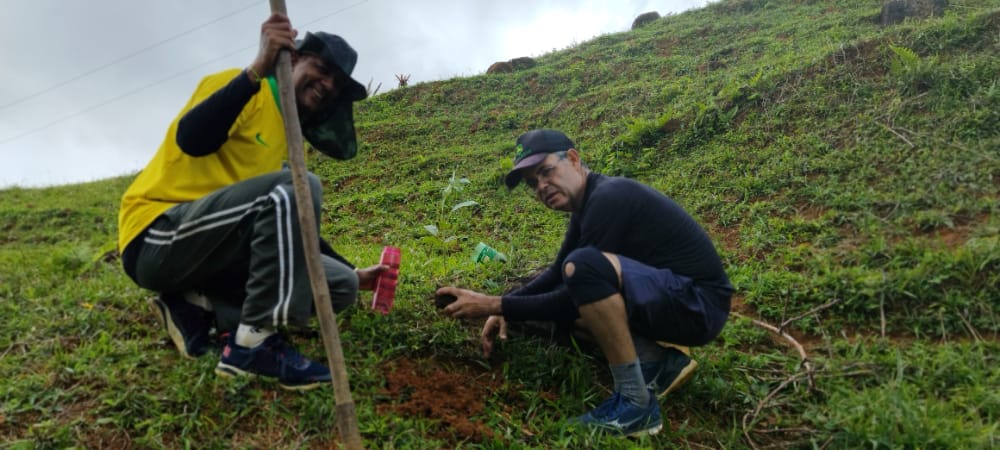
[(250, 336)]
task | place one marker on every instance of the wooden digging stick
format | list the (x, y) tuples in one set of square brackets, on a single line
[(347, 421)]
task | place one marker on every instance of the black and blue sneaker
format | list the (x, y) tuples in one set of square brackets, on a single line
[(618, 415), (187, 325), (273, 358), (670, 373)]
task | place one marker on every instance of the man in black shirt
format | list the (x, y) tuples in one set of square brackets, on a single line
[(634, 270)]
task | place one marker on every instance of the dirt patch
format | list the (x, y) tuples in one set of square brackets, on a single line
[(739, 305), (729, 236), (665, 47), (452, 395), (955, 235), (341, 184)]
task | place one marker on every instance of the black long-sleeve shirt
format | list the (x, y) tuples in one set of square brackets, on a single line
[(628, 218), (204, 128)]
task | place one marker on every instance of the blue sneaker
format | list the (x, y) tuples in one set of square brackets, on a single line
[(187, 325), (273, 358), (670, 373), (619, 416)]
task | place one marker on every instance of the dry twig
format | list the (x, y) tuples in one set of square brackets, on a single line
[(807, 313), (751, 417), (798, 347), (887, 127), (972, 331)]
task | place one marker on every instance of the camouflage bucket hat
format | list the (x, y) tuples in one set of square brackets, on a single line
[(331, 131)]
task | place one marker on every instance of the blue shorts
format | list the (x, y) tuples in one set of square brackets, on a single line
[(665, 306)]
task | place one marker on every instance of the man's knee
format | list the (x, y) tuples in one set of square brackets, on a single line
[(342, 282), (589, 276)]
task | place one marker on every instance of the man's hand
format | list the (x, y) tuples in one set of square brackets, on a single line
[(276, 33), (470, 304), (368, 276), (494, 325)]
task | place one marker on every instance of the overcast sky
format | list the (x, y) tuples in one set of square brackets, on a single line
[(87, 89)]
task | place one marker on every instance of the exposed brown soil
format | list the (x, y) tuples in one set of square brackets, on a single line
[(453, 397), (956, 235)]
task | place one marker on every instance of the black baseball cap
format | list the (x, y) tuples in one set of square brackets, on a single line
[(331, 130), (532, 148)]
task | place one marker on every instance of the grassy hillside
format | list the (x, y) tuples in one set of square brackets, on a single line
[(848, 173)]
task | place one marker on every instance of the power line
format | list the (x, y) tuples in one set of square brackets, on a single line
[(163, 80), (118, 97), (126, 57), (337, 12)]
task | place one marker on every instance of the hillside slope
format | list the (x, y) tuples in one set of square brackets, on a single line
[(849, 174)]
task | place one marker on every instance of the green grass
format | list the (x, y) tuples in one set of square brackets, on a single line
[(849, 174)]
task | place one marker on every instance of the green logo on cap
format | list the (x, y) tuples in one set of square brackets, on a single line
[(521, 152)]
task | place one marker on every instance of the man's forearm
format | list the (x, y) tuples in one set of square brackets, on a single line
[(204, 128)]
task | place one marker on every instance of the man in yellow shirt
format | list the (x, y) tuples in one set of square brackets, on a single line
[(211, 222)]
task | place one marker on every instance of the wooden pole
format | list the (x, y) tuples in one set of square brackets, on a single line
[(347, 422)]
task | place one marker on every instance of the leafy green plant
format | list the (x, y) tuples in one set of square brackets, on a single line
[(446, 230), (915, 74), (905, 60)]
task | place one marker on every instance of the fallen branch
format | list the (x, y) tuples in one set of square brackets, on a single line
[(887, 127), (808, 313), (11, 347), (881, 314), (798, 347), (972, 331), (751, 417), (856, 373), (695, 444), (787, 430)]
